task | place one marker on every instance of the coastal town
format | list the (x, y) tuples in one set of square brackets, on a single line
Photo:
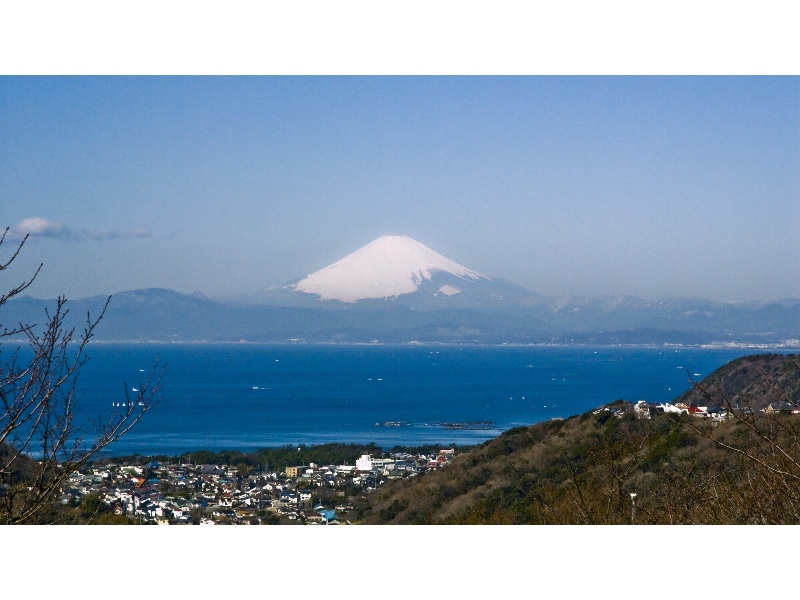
[(179, 493)]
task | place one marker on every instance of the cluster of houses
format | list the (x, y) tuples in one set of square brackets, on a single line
[(173, 493), (645, 410)]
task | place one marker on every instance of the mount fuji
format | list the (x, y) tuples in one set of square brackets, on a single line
[(392, 269), (390, 266)]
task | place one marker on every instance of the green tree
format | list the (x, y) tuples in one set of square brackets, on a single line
[(91, 505)]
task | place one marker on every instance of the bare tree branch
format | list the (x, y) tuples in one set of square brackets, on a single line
[(40, 442)]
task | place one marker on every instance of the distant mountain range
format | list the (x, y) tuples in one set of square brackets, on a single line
[(396, 290)]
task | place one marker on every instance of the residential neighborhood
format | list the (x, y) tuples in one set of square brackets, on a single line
[(206, 494)]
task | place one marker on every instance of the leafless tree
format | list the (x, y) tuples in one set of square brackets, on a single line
[(769, 440), (41, 443)]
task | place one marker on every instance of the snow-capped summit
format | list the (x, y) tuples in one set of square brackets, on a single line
[(390, 266)]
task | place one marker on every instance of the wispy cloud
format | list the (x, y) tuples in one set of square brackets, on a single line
[(38, 227), (101, 235)]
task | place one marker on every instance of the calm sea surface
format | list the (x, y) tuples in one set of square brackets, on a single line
[(243, 397)]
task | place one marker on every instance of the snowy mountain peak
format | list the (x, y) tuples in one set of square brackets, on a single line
[(390, 266)]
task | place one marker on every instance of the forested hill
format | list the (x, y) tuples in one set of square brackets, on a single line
[(750, 381), (583, 470)]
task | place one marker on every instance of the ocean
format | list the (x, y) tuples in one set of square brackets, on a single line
[(248, 396)]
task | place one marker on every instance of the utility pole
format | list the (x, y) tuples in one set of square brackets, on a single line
[(633, 508)]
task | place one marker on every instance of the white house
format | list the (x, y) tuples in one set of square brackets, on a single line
[(364, 463)]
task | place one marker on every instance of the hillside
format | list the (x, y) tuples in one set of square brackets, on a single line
[(750, 381), (583, 470)]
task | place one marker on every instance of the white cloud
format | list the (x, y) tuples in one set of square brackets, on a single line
[(40, 227), (37, 226)]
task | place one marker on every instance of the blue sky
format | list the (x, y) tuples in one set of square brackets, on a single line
[(649, 186)]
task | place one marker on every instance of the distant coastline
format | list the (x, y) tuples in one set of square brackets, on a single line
[(793, 344)]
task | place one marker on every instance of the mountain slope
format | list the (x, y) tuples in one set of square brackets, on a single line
[(750, 381), (556, 472)]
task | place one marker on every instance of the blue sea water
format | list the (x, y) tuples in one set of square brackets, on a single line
[(245, 396)]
